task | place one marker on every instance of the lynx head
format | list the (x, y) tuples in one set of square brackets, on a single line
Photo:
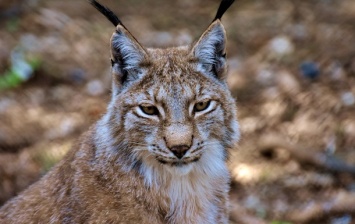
[(171, 108)]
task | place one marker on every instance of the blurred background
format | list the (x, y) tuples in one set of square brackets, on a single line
[(291, 70)]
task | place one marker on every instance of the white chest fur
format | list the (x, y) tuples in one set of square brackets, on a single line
[(192, 191)]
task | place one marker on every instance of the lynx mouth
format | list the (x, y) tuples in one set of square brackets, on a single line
[(178, 163)]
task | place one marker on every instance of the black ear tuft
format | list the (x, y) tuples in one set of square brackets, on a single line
[(106, 12), (225, 4)]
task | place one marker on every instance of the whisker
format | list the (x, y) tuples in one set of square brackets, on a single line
[(138, 143), (146, 156), (210, 143)]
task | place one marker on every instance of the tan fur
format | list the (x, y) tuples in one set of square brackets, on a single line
[(123, 170)]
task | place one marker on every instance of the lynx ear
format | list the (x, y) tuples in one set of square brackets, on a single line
[(128, 57), (210, 51)]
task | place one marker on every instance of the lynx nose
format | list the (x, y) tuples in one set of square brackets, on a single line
[(179, 150)]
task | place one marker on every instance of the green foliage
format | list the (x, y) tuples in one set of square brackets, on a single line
[(21, 70), (8, 80)]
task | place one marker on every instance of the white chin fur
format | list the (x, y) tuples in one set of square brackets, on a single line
[(179, 170)]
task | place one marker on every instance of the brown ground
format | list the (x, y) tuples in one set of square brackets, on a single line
[(273, 182)]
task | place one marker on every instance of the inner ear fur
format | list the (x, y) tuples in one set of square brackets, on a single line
[(128, 57), (210, 50)]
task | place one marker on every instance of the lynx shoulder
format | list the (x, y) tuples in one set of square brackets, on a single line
[(159, 153)]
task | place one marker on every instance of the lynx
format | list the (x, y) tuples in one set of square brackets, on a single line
[(159, 153)]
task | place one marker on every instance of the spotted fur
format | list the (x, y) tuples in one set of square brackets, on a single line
[(124, 169)]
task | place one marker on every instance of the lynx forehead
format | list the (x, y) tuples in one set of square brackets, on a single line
[(159, 153)]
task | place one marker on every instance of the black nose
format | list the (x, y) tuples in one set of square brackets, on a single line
[(179, 150)]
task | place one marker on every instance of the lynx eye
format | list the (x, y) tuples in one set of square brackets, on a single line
[(200, 106), (149, 110)]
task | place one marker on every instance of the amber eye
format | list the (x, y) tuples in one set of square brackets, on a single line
[(200, 106), (149, 110)]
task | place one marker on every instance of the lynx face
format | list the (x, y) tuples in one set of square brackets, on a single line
[(176, 114), (173, 105)]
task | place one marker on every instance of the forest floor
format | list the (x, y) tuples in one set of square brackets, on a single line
[(291, 70)]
